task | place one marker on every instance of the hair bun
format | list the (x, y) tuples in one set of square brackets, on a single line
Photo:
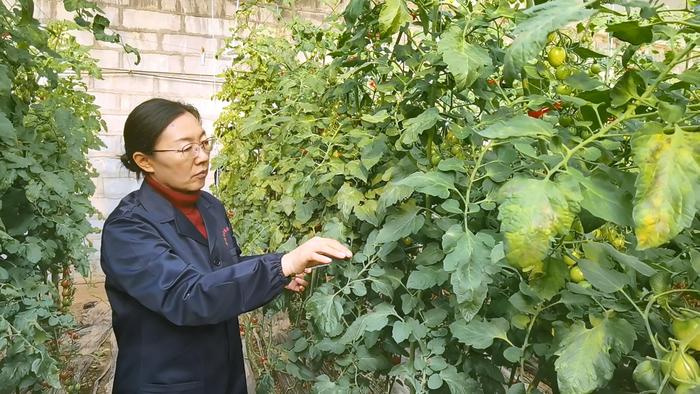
[(129, 163)]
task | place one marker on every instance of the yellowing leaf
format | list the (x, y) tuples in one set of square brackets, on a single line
[(666, 201), (393, 15), (532, 213)]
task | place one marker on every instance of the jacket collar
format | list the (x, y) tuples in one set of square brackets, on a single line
[(161, 209), (164, 211)]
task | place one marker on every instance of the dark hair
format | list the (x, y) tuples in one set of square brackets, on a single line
[(145, 124)]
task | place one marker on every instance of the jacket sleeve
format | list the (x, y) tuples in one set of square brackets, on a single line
[(138, 261)]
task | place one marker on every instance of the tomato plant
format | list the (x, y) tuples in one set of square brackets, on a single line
[(48, 122), (501, 175)]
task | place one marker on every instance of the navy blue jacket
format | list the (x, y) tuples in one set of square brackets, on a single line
[(176, 296)]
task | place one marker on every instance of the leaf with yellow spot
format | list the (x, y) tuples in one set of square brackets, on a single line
[(532, 213), (667, 184)]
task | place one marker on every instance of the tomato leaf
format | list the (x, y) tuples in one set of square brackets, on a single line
[(459, 382), (393, 15), (401, 224), (517, 126), (587, 356), (552, 279), (426, 277), (327, 311), (604, 199), (434, 183), (532, 213), (669, 173), (348, 199), (415, 126), (602, 278), (464, 60), (531, 34), (631, 32), (480, 334)]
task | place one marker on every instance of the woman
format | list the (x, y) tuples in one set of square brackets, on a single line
[(175, 276)]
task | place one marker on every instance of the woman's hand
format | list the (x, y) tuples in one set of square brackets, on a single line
[(313, 252), (298, 283)]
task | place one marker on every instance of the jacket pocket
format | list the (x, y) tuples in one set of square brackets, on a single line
[(180, 388)]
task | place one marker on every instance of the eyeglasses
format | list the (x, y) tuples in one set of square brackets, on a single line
[(193, 149)]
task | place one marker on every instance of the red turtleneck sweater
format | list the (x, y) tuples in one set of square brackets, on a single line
[(184, 202)]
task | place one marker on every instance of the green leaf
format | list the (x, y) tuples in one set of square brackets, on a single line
[(467, 257), (435, 381), (691, 76), (464, 60), (631, 32), (670, 113), (348, 199), (434, 183), (393, 193), (532, 213), (414, 127), (552, 279), (401, 224), (5, 81), (605, 200), (393, 15), (371, 321), (327, 311), (518, 126), (603, 279), (400, 331), (458, 246), (376, 118), (430, 255), (480, 334), (459, 382), (7, 130), (513, 354), (33, 253), (451, 206), (605, 251), (368, 361), (624, 90), (531, 34), (587, 357), (665, 201), (373, 153), (581, 81), (426, 277)]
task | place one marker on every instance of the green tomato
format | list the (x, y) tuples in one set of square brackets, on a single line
[(646, 376), (569, 261), (566, 121), (595, 68), (576, 274), (562, 72), (435, 160), (551, 37), (563, 90), (455, 149), (688, 389), (556, 56), (660, 282), (687, 330), (681, 367)]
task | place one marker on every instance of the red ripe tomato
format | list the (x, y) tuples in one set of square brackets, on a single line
[(538, 114)]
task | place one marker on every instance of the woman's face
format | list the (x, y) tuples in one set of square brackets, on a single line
[(180, 171)]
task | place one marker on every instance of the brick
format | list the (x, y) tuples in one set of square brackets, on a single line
[(106, 205), (83, 37), (114, 2), (144, 4), (115, 123), (185, 89), (156, 62), (110, 167), (169, 5), (202, 8), (99, 186), (205, 26), (149, 20), (130, 101), (211, 66), (119, 187), (114, 146), (141, 40), (44, 10), (107, 58), (124, 83), (107, 101), (188, 44)]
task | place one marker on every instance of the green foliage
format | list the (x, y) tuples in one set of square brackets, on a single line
[(435, 140), (47, 124)]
